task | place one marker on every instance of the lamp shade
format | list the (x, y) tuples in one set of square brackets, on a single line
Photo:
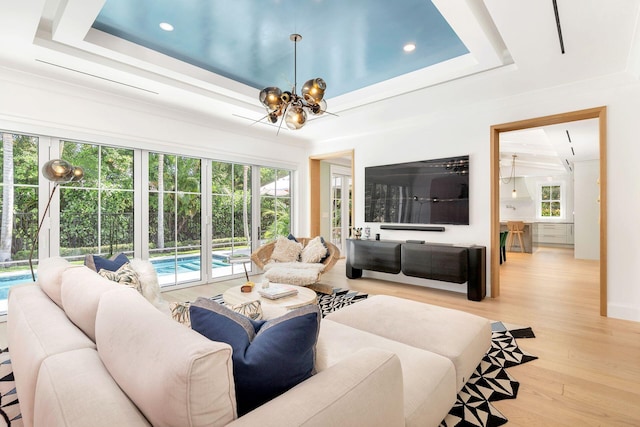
[(313, 90), (295, 118), (270, 97), (78, 174), (58, 170)]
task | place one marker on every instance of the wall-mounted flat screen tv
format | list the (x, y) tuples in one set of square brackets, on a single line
[(422, 192)]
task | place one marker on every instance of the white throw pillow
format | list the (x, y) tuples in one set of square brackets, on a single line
[(149, 283), (286, 250), (314, 251)]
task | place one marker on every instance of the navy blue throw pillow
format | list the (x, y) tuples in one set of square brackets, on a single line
[(96, 263), (269, 357), (292, 237)]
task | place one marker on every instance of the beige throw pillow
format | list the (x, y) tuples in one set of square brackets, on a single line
[(314, 251), (286, 250), (125, 276), (251, 309)]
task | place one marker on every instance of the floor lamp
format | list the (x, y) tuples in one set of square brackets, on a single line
[(59, 172)]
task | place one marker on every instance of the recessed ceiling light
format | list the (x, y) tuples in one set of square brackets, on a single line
[(409, 47), (166, 26)]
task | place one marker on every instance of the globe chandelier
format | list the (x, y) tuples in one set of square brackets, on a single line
[(288, 104)]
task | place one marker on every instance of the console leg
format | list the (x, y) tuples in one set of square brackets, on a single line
[(353, 273), (476, 285)]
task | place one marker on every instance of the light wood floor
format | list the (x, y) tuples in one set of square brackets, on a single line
[(588, 371)]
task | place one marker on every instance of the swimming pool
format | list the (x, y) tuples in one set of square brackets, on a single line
[(164, 267)]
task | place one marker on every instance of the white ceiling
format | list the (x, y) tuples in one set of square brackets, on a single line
[(513, 43), (549, 150)]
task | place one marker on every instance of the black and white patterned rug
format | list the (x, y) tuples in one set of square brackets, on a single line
[(338, 299), (489, 383), (9, 408)]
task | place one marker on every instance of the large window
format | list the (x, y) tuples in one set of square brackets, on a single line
[(96, 214), (275, 203), (194, 216), (231, 204), (175, 229), (550, 201), (18, 209)]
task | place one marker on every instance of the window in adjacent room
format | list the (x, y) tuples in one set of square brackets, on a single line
[(550, 201)]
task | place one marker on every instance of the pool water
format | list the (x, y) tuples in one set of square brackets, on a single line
[(185, 264), (163, 266)]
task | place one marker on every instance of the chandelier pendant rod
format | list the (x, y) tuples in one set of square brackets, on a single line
[(295, 38)]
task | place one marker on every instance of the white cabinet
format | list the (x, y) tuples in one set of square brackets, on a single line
[(552, 232)]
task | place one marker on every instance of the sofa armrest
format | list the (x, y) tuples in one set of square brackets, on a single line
[(365, 388)]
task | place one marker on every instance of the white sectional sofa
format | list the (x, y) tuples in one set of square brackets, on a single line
[(87, 351)]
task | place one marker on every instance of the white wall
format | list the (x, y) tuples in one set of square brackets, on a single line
[(464, 129), (587, 208)]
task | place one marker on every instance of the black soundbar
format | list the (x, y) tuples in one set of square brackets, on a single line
[(411, 227)]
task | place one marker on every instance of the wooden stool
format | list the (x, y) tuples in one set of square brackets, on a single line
[(516, 228)]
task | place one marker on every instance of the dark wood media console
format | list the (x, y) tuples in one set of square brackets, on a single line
[(436, 261)]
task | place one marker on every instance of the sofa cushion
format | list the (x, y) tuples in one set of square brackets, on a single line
[(50, 277), (315, 251), (175, 376), (97, 263), (286, 250), (461, 337), (269, 357), (36, 328), (81, 292), (63, 398), (429, 379)]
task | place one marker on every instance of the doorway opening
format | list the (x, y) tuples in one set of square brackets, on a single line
[(593, 113), (321, 209)]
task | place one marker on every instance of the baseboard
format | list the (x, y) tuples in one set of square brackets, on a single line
[(623, 312)]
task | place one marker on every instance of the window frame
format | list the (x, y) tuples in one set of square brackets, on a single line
[(562, 200)]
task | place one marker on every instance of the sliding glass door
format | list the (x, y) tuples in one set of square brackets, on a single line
[(275, 203), (18, 209), (175, 231), (231, 217)]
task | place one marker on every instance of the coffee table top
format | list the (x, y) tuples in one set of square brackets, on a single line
[(305, 296)]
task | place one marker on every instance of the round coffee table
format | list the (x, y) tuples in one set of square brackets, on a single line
[(305, 296)]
